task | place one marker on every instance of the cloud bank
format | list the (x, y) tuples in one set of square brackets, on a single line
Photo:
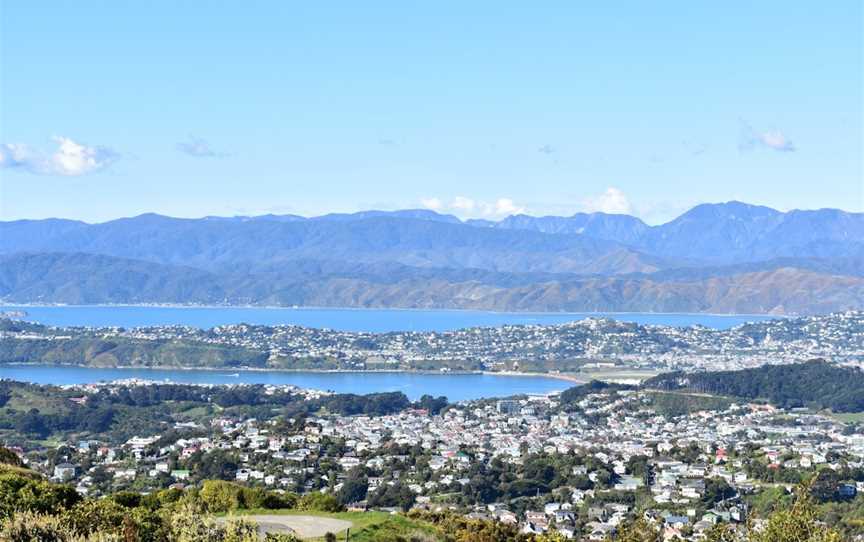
[(70, 159), (612, 201), (465, 207)]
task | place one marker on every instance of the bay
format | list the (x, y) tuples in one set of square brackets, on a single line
[(456, 387), (369, 320)]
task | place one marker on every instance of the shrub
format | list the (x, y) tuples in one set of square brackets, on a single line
[(320, 502), (220, 496), (188, 524), (8, 457), (30, 526), (21, 493), (95, 515)]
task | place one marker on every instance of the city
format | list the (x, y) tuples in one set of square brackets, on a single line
[(579, 465)]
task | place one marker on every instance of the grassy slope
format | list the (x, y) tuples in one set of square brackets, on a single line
[(680, 404)]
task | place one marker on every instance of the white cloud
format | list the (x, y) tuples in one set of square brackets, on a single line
[(771, 139), (461, 203), (612, 201), (466, 207), (505, 206), (14, 155), (71, 159), (433, 204), (199, 148), (777, 141)]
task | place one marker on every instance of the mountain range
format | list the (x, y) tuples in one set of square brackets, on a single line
[(729, 257)]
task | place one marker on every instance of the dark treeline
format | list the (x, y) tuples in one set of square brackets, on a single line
[(571, 396), (814, 384), (138, 408)]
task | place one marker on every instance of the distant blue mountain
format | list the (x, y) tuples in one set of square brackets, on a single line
[(611, 227), (209, 244), (747, 256), (732, 232)]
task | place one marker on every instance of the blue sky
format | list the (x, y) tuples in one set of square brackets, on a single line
[(112, 109)]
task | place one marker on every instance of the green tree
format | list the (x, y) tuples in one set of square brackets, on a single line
[(355, 487), (321, 502), (23, 493), (95, 515), (220, 496), (639, 531), (799, 523), (8, 457)]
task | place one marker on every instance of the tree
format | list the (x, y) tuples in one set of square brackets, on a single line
[(95, 515), (355, 487), (396, 495), (824, 486), (320, 502), (32, 423), (799, 523), (433, 404), (722, 532), (220, 496), (22, 493), (639, 531), (716, 490), (8, 457), (214, 465)]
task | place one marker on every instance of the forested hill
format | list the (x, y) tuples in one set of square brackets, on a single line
[(815, 384)]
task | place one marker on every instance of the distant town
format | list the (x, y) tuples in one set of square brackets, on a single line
[(592, 344)]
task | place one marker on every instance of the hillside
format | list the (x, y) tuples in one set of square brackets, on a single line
[(562, 347), (722, 258), (122, 352), (815, 384), (94, 279)]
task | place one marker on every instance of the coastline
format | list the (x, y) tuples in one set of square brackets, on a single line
[(14, 305), (556, 376)]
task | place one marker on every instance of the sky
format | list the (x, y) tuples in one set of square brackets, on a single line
[(480, 109)]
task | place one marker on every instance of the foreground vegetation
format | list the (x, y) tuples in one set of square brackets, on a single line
[(33, 509)]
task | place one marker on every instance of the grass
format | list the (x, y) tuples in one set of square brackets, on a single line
[(848, 417), (367, 526), (21, 471), (617, 374), (679, 404), (194, 412), (23, 400)]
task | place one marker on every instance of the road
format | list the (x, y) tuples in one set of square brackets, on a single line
[(302, 526)]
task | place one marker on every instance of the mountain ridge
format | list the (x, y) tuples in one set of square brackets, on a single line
[(713, 258), (96, 279)]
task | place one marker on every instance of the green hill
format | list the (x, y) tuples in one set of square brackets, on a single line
[(815, 384)]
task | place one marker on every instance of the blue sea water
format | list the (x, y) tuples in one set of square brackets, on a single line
[(374, 320), (456, 387)]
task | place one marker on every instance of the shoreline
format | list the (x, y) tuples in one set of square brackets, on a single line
[(556, 376), (12, 306)]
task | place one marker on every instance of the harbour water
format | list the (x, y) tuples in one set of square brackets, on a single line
[(456, 387)]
